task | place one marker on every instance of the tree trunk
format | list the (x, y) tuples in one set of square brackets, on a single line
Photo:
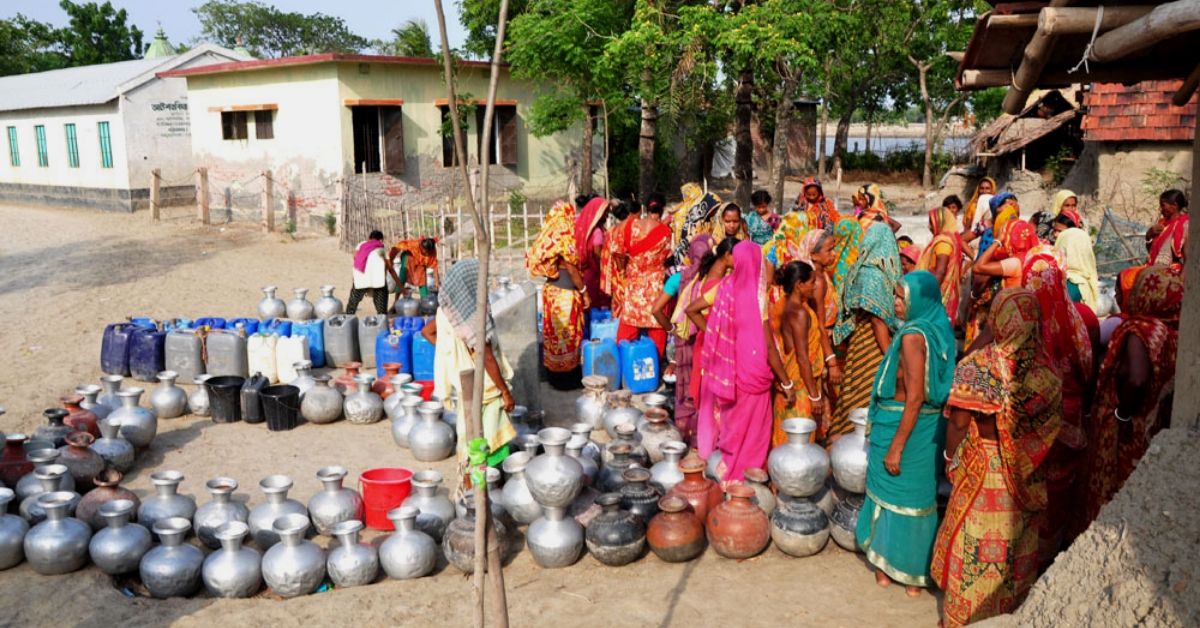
[(841, 137), (585, 149), (743, 156), (867, 148), (783, 119), (824, 118), (646, 141), (927, 169)]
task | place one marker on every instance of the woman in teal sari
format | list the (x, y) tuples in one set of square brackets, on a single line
[(899, 521)]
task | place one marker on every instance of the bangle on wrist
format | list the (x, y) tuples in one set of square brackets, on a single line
[(830, 358), (817, 398), (946, 456), (788, 386), (1121, 418)]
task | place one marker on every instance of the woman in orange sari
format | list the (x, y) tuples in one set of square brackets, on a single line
[(612, 266), (1136, 383), (645, 244), (798, 337), (1005, 411), (555, 256), (943, 257)]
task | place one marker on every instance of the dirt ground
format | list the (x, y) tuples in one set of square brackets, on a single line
[(65, 274)]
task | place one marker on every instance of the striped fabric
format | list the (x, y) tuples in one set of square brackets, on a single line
[(862, 361)]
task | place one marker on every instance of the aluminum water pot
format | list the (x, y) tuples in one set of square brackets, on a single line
[(516, 496), (168, 400), (166, 503), (554, 478), (12, 533), (555, 540), (328, 305), (408, 552), (234, 571), (334, 503), (221, 510), (435, 511), (114, 450), (263, 516), (118, 547), (429, 438), (59, 544), (173, 568), (294, 566), (848, 456), (350, 563), (322, 403), (299, 309), (798, 467), (91, 401), (138, 425), (363, 406), (270, 306), (593, 403)]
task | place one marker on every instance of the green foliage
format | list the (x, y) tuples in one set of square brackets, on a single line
[(909, 159), (410, 40), (29, 46), (516, 198), (290, 227), (986, 104), (330, 220), (1155, 181), (1059, 164), (478, 17), (268, 32), (97, 33)]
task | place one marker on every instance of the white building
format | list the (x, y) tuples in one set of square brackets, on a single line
[(90, 136)]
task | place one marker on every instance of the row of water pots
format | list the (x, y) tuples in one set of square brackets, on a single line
[(299, 308)]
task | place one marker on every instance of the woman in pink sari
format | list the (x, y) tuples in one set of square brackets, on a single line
[(739, 364)]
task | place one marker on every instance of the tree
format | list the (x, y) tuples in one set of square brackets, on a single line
[(411, 40), (268, 32), (478, 17), (98, 34), (558, 42), (29, 46)]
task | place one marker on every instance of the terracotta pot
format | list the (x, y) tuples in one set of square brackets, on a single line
[(675, 534), (79, 418), (79, 457), (345, 381), (702, 493), (738, 528), (107, 489), (13, 463), (383, 386)]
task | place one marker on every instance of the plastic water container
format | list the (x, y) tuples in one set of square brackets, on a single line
[(601, 357), (260, 352), (314, 332), (639, 365), (172, 324), (143, 321), (341, 340), (423, 352), (114, 348), (395, 347), (277, 326), (368, 331), (211, 322), (147, 353), (183, 354), (289, 351), (605, 329), (226, 353), (252, 408), (249, 324)]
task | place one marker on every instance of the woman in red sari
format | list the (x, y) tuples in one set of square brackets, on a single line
[(645, 244), (1168, 238), (589, 242), (943, 257), (1136, 383), (612, 263), (1069, 346), (740, 364), (555, 256), (1005, 411)]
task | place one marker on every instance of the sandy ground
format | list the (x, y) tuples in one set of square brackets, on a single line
[(64, 274)]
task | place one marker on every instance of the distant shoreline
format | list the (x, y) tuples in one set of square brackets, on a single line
[(915, 131)]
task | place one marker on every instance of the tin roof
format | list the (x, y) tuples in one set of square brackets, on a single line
[(331, 57), (1119, 113)]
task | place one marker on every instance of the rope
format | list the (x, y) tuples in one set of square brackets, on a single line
[(1087, 52)]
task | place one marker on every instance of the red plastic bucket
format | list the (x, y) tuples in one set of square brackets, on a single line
[(382, 490), (426, 389)]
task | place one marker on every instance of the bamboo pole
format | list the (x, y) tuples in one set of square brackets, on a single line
[(155, 193), (268, 207), (202, 195), (1082, 20), (1037, 54), (1185, 92), (1164, 22)]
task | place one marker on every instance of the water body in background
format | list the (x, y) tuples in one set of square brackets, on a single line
[(885, 145)]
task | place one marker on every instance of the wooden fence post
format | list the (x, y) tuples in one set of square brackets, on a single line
[(508, 224), (268, 202), (458, 235), (155, 193), (525, 221), (491, 225), (202, 196)]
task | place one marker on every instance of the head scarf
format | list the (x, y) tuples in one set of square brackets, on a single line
[(697, 248), (978, 200), (1157, 293), (924, 315), (1064, 334), (1080, 259), (1018, 237), (808, 246), (875, 205), (944, 225), (1060, 198), (1074, 216), (1003, 214), (590, 217), (847, 236), (558, 239), (693, 216), (943, 220), (457, 299), (718, 225), (871, 284), (1012, 379), (1174, 235), (364, 252), (911, 253)]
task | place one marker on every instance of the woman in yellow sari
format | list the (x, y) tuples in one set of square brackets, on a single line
[(944, 258), (986, 186), (554, 255), (798, 337)]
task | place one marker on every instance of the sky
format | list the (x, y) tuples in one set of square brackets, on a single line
[(373, 19)]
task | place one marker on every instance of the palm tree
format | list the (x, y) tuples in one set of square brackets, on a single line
[(412, 40)]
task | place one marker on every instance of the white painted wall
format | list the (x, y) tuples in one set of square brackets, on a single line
[(58, 173)]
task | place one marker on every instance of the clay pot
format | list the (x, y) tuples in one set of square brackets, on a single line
[(14, 464), (757, 479), (108, 488), (737, 528), (615, 537), (637, 496), (655, 431), (702, 493), (345, 381), (79, 458), (79, 419), (675, 534), (55, 430), (384, 386), (798, 527)]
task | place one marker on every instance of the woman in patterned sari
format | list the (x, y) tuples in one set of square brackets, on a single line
[(589, 243), (1005, 412), (1136, 383), (943, 257), (554, 255), (812, 211), (866, 318), (799, 339), (847, 238), (645, 244), (612, 262), (899, 518), (1168, 237), (1069, 348), (685, 338)]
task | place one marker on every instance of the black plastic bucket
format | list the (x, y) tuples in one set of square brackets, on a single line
[(224, 398), (252, 411), (281, 407)]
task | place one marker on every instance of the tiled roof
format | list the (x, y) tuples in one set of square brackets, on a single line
[(1143, 111)]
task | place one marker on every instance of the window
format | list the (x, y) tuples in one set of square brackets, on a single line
[(448, 156), (105, 145), (504, 134), (39, 133), (234, 125), (72, 146), (14, 154), (264, 125), (378, 139)]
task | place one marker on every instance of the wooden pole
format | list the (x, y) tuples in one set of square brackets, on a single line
[(525, 221), (268, 207), (202, 195), (458, 235), (1082, 20), (1185, 92), (1098, 73), (508, 225), (1164, 22), (155, 193), (1037, 54), (1185, 411)]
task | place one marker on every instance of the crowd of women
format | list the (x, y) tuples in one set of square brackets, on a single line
[(980, 357)]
